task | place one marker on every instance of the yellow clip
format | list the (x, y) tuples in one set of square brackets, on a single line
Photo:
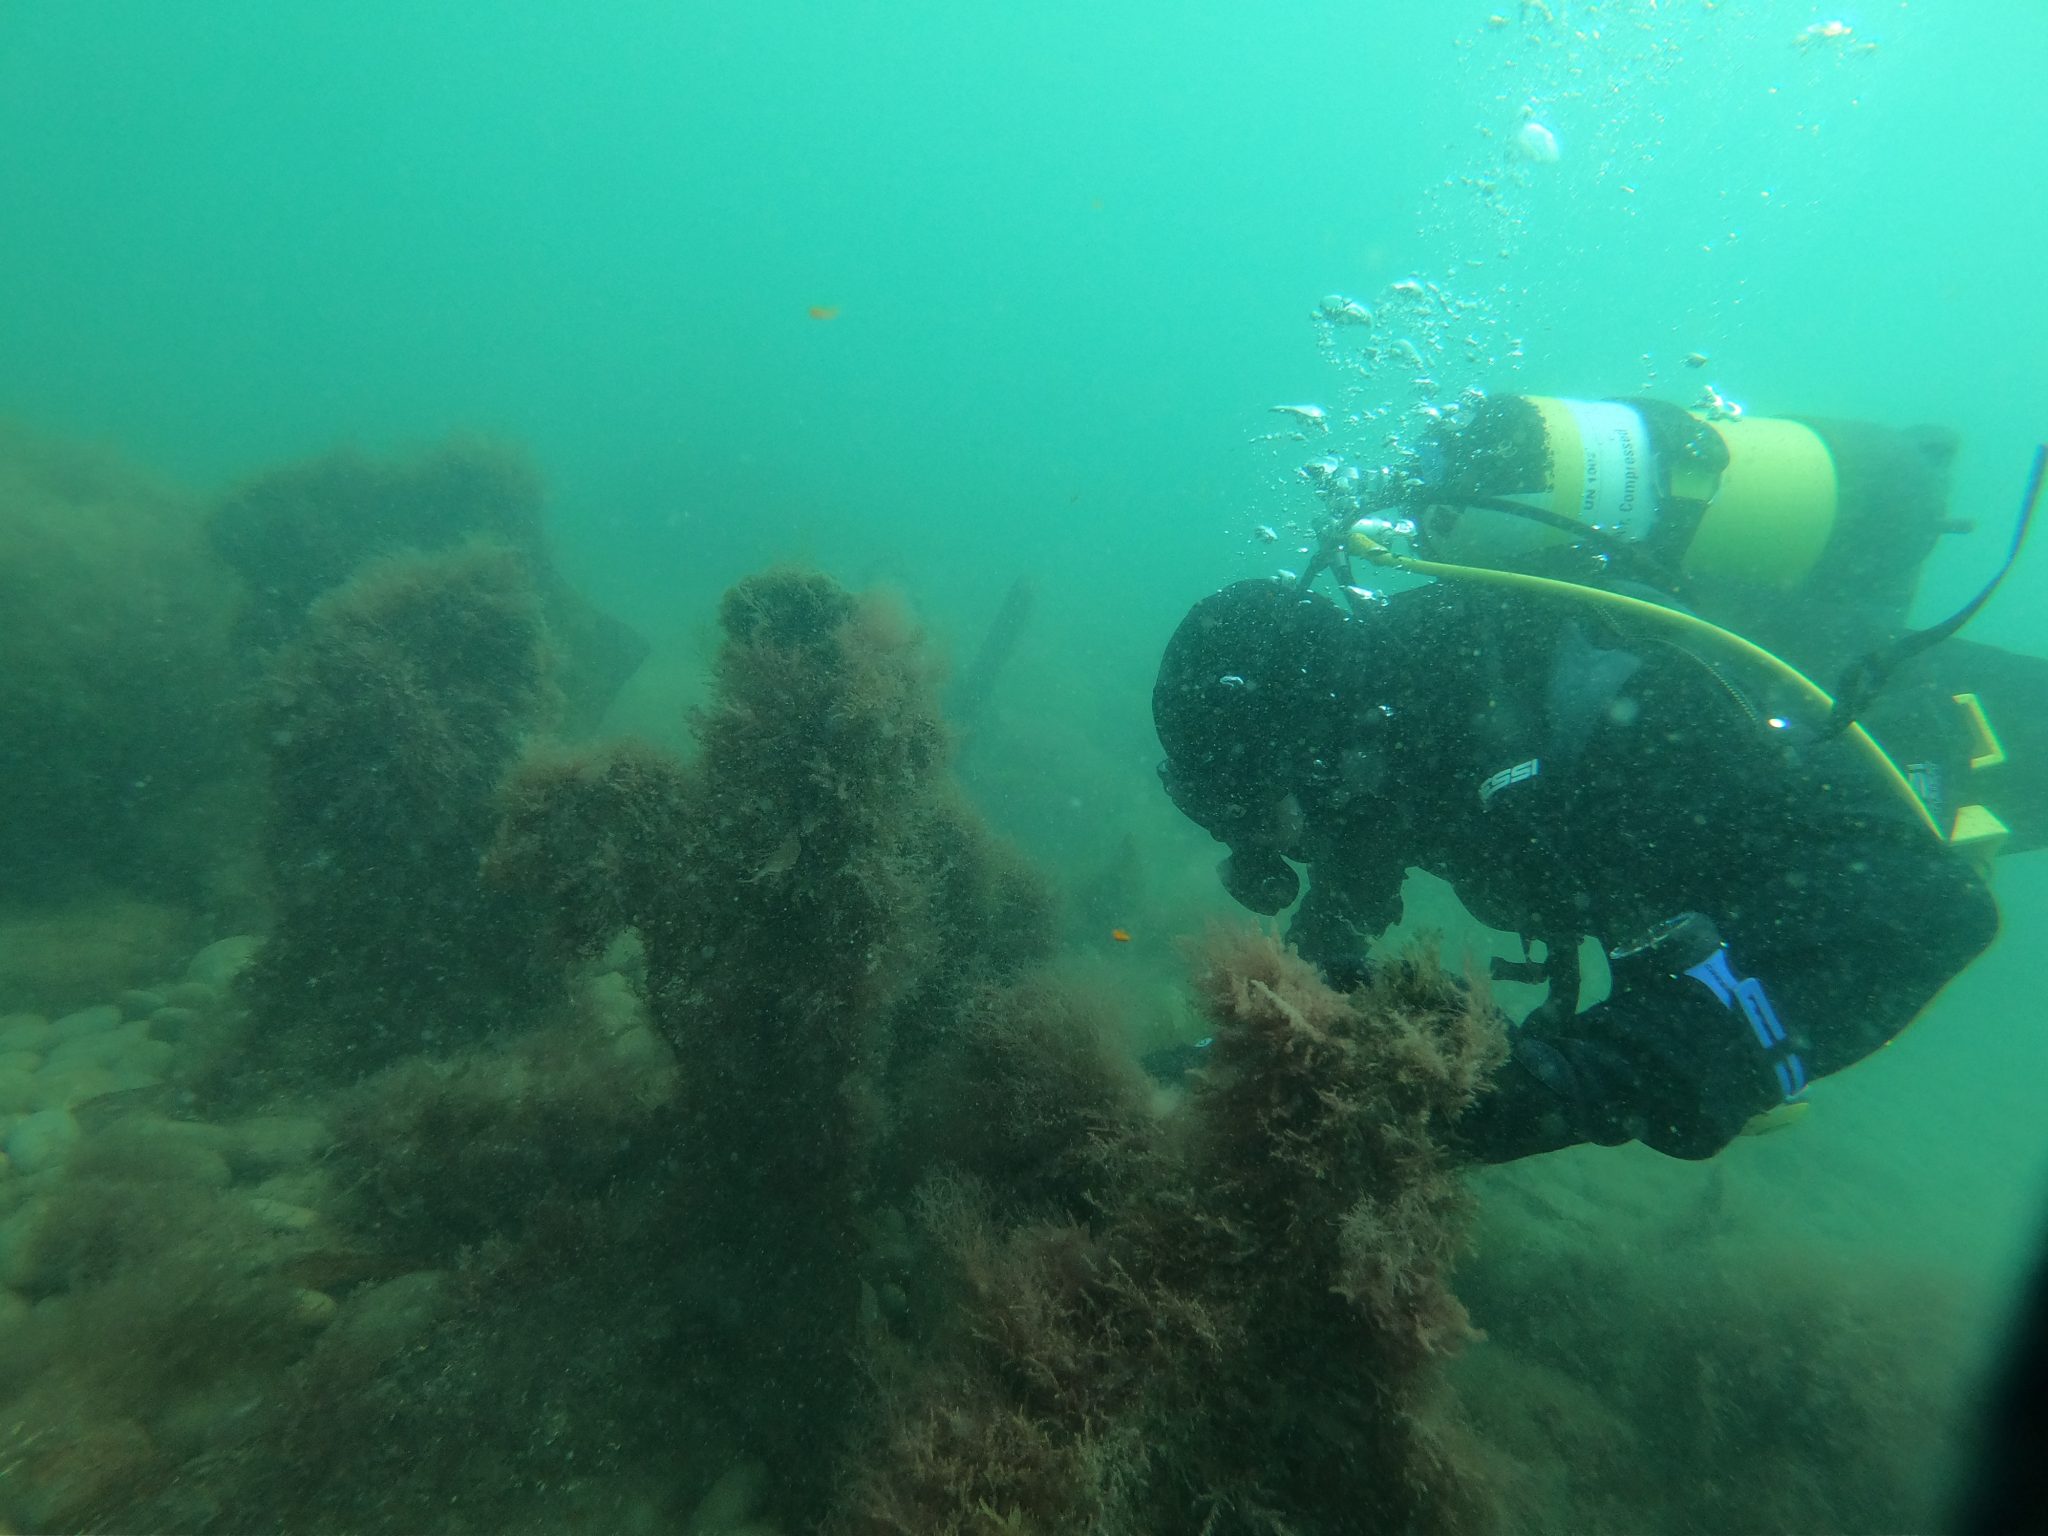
[(1986, 751), (1978, 833), (1779, 1117)]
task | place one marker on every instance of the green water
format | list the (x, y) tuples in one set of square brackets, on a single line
[(939, 296)]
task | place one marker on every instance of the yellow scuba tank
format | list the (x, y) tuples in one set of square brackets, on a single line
[(1795, 545), (1744, 500), (1771, 511)]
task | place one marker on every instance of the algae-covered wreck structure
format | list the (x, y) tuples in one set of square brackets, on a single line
[(724, 1114), (596, 1136)]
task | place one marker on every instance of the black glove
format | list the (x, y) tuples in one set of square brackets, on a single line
[(1552, 1093), (1670, 1059)]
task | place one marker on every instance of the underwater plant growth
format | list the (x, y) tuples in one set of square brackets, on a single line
[(1238, 1323), (815, 907), (116, 682), (297, 533), (716, 1144), (390, 720)]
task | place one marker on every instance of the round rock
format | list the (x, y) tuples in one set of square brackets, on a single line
[(173, 1023), (85, 1023), (24, 1032), (221, 961), (43, 1140), (18, 1092), (96, 1050)]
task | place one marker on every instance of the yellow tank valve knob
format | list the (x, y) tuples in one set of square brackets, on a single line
[(1366, 547)]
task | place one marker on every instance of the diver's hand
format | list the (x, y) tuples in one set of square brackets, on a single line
[(1259, 879), (1345, 975)]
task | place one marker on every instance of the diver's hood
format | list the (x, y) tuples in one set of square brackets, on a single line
[(1251, 698)]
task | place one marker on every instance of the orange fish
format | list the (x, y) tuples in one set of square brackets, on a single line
[(824, 311), (1120, 935)]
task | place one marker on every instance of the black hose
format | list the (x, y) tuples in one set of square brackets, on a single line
[(1867, 675)]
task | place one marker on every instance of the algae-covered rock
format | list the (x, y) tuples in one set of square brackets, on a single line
[(18, 1090), (391, 718), (43, 1140), (267, 1143), (24, 1032), (281, 1215), (84, 1022), (62, 1480), (19, 1231), (146, 1061), (96, 1049), (381, 1320), (60, 957), (217, 965), (815, 908), (174, 1024), (1232, 1322), (80, 1083), (138, 1002), (117, 684), (146, 1149), (298, 533)]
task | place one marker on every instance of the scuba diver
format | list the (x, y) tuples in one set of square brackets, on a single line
[(1563, 724)]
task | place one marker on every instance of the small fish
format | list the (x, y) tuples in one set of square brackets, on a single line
[(1266, 533), (824, 311), (1695, 359), (1120, 935)]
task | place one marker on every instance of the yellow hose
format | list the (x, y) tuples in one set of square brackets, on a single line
[(1369, 548)]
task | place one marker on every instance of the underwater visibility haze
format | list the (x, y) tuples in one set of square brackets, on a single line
[(590, 935)]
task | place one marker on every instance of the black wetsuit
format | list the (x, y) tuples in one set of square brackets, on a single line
[(1570, 774)]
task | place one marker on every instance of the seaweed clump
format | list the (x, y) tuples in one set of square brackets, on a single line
[(298, 533), (391, 720), (114, 629), (441, 1306), (499, 1230), (1687, 1379), (161, 1311), (1240, 1330), (799, 1187), (817, 912)]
